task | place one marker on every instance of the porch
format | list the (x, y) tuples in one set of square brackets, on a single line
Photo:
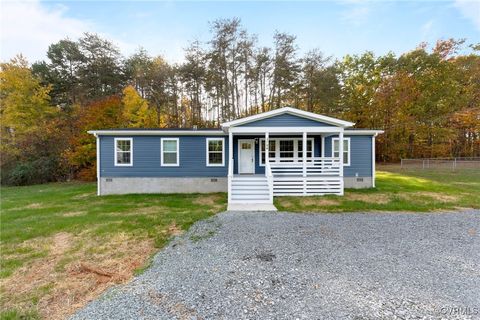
[(267, 162)]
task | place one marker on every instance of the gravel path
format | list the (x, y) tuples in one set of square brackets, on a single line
[(309, 266)]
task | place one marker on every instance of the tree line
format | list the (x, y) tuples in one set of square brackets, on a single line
[(427, 100)]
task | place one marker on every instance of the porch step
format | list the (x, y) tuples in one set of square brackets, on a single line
[(249, 183), (249, 178), (250, 189), (249, 197)]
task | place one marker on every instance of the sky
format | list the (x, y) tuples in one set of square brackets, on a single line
[(167, 27)]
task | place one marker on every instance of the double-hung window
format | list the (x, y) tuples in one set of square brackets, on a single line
[(300, 149), (271, 150), (287, 150), (169, 149), (215, 152), (123, 152), (346, 150)]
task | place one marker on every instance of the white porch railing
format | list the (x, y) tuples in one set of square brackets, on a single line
[(318, 176)]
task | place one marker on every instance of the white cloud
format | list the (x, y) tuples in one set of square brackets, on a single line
[(470, 9), (29, 28)]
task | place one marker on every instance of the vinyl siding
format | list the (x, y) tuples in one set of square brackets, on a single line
[(360, 157), (146, 158), (286, 120)]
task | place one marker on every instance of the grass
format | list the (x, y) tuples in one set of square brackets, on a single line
[(398, 190), (56, 237), (61, 245)]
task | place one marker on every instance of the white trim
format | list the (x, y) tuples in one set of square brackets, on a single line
[(178, 152), (290, 110), (362, 132), (238, 153), (348, 150), (115, 152), (98, 164), (297, 130), (207, 152), (373, 161), (134, 132), (277, 148)]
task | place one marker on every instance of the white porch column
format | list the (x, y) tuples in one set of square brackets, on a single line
[(304, 153), (340, 149), (267, 148), (230, 149), (230, 146), (323, 147), (304, 156), (230, 165)]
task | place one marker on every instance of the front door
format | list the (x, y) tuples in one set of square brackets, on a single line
[(246, 156)]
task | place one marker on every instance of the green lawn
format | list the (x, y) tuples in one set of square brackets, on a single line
[(49, 233), (398, 190)]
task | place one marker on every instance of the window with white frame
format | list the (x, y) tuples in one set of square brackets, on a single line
[(123, 151), (300, 149), (169, 152), (271, 150), (346, 150), (285, 150), (215, 152)]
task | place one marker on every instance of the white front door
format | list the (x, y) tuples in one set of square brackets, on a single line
[(246, 156)]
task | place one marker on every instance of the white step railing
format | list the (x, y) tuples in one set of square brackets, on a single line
[(230, 178), (318, 176), (269, 174)]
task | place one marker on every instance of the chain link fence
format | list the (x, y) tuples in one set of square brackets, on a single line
[(441, 163)]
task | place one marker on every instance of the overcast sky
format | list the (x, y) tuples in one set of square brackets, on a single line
[(165, 28)]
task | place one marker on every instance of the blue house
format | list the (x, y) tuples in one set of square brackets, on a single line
[(285, 151)]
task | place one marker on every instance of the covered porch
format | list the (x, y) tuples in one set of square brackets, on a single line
[(284, 160)]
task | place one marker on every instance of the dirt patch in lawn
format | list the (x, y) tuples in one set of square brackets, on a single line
[(173, 230), (369, 198), (82, 196), (309, 201), (76, 270), (73, 213), (208, 199), (148, 210), (434, 195), (289, 203)]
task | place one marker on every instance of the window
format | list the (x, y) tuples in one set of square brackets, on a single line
[(285, 150), (215, 152), (271, 150), (346, 150), (300, 149), (169, 152), (123, 152)]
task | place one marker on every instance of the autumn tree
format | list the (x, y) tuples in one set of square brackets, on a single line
[(135, 112), (29, 145)]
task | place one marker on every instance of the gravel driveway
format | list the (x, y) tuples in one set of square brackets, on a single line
[(241, 265)]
